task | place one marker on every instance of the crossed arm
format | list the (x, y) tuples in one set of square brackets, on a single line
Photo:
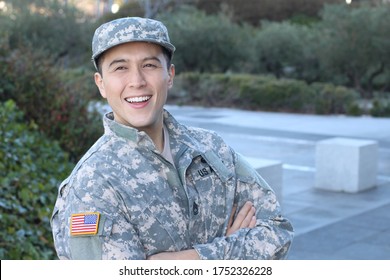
[(245, 219)]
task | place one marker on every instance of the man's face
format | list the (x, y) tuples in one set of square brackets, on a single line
[(135, 81)]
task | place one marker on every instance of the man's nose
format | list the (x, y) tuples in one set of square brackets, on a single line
[(136, 78)]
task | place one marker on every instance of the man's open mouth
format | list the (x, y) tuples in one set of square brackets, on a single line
[(138, 99)]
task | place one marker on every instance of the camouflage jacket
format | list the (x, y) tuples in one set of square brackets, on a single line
[(146, 205)]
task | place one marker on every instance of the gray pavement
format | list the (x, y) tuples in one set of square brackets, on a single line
[(328, 225)]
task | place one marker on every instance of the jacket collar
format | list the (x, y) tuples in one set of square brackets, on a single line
[(177, 132)]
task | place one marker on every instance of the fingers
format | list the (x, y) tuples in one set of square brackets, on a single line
[(230, 228), (245, 215), (252, 224), (232, 215), (245, 218)]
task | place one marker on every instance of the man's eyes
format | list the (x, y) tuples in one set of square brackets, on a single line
[(119, 68), (149, 65), (145, 66)]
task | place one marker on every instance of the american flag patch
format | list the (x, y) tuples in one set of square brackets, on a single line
[(84, 223)]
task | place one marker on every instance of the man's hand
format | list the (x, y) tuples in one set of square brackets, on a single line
[(245, 218), (182, 255)]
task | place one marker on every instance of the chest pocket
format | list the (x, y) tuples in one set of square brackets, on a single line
[(201, 171), (210, 180), (209, 165)]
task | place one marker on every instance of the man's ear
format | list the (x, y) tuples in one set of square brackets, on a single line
[(99, 83), (171, 73)]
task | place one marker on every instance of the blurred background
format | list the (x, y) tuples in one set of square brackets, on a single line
[(326, 57)]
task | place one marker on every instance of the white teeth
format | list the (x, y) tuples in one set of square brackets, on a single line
[(138, 99)]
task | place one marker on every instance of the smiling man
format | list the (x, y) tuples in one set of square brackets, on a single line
[(150, 187), (136, 81)]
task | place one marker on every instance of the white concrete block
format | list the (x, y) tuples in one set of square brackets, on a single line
[(272, 173), (345, 164)]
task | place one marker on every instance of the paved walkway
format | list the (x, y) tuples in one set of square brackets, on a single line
[(328, 225)]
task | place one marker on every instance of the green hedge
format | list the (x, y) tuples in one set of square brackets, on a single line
[(209, 43), (380, 107), (31, 168), (57, 100), (257, 92)]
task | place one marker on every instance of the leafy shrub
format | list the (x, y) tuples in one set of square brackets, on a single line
[(280, 47), (381, 108), (354, 49), (78, 123), (258, 92), (209, 43), (242, 91), (275, 10), (61, 30), (221, 90), (354, 109), (31, 167), (331, 99), (57, 100), (282, 95)]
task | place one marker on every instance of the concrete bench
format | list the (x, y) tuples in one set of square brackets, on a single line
[(345, 164), (272, 173)]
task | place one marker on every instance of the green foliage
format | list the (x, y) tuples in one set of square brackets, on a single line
[(31, 167), (55, 104), (303, 19), (282, 95), (261, 93), (381, 107), (61, 31), (57, 100), (331, 99), (354, 45), (220, 90), (274, 10), (348, 47), (209, 43), (280, 47)]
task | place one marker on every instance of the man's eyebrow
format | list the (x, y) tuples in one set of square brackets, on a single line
[(122, 60), (152, 58), (115, 61)]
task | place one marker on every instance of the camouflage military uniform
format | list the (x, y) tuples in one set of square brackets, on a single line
[(148, 205)]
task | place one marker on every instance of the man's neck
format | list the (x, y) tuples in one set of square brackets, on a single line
[(157, 135)]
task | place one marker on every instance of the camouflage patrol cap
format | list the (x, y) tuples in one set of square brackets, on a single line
[(129, 29)]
